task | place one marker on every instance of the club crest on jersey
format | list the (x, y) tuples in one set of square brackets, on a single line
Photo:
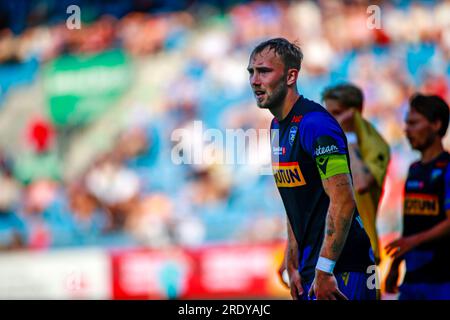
[(292, 134), (435, 174), (325, 145)]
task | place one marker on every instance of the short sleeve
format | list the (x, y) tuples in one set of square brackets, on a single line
[(447, 190), (323, 139)]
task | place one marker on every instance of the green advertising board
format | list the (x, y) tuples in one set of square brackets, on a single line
[(79, 88)]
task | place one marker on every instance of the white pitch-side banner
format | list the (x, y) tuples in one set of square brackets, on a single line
[(65, 274)]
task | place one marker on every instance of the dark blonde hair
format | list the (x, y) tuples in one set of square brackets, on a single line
[(290, 53), (346, 94)]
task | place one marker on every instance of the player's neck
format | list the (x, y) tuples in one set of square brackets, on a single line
[(434, 150), (282, 111)]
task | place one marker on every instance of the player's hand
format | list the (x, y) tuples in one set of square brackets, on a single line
[(325, 287), (283, 274), (362, 178), (295, 284), (391, 281), (361, 185), (399, 247), (345, 119)]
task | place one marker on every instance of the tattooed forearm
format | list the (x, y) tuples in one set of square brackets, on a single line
[(339, 217), (330, 226), (336, 244), (342, 184), (336, 247)]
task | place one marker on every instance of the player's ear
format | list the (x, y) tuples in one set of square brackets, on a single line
[(436, 125), (292, 75)]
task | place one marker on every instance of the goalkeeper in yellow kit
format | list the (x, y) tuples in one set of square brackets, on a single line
[(369, 153)]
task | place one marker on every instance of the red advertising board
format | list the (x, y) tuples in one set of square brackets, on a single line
[(225, 271)]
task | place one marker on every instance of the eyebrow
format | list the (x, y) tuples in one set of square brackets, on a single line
[(259, 69)]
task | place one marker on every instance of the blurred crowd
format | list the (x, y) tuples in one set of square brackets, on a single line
[(190, 64)]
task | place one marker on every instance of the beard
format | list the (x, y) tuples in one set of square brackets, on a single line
[(422, 146), (276, 98)]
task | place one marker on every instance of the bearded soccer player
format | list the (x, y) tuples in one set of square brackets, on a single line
[(329, 252), (425, 244)]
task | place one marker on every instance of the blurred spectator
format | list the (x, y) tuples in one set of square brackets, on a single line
[(142, 34), (139, 146), (12, 228), (90, 220), (116, 187), (38, 196), (7, 46), (149, 222)]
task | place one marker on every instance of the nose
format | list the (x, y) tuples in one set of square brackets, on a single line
[(409, 133), (254, 80), (407, 129)]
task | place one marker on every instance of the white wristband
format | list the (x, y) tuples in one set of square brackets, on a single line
[(352, 138), (325, 265)]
